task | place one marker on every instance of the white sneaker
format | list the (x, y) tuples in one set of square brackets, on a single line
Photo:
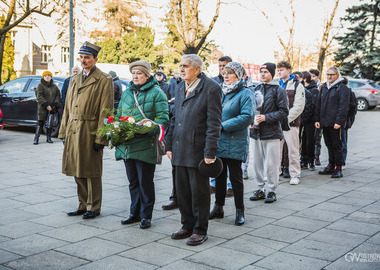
[(294, 181)]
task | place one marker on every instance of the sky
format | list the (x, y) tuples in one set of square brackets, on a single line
[(243, 33)]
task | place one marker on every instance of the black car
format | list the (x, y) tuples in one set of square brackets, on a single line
[(19, 103)]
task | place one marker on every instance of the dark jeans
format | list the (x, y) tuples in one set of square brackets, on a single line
[(344, 144), (333, 141), (141, 187), (193, 198), (173, 196), (236, 177), (308, 143), (318, 138)]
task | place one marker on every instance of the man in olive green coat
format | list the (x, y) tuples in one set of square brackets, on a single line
[(89, 93)]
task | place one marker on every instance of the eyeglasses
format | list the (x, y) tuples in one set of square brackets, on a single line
[(226, 74), (331, 74)]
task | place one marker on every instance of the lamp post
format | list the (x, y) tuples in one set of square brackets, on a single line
[(71, 36)]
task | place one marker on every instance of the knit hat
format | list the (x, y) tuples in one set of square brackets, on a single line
[(47, 72), (112, 74), (270, 67), (237, 69), (159, 73), (142, 65)]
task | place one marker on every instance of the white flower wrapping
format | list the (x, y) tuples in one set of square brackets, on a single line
[(131, 120)]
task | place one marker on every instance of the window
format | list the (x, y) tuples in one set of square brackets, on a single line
[(352, 84), (33, 85), (15, 86), (65, 54), (45, 53)]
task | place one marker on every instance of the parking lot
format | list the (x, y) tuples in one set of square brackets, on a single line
[(322, 223)]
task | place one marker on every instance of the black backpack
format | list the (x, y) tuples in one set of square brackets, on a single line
[(353, 109)]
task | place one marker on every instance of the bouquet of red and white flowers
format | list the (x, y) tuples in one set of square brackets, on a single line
[(120, 130)]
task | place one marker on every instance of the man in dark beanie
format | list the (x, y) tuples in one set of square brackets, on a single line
[(89, 93), (267, 134)]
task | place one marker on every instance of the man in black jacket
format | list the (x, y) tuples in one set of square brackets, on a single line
[(192, 137), (268, 134), (331, 115), (117, 89), (308, 122), (222, 62)]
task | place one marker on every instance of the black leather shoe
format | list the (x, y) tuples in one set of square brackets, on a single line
[(76, 213), (131, 219), (145, 223), (171, 205), (239, 220), (181, 234), (90, 214), (216, 212), (196, 239)]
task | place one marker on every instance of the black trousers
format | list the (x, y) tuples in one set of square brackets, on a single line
[(318, 138), (333, 141), (141, 187), (236, 177), (173, 196), (193, 198), (308, 143)]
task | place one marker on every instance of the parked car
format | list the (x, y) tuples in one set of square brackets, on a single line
[(367, 92), (19, 103), (1, 120)]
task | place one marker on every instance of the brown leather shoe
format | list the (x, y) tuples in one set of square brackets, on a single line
[(171, 205), (230, 193), (181, 234), (196, 239)]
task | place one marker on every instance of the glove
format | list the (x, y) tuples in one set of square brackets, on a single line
[(63, 141), (98, 147)]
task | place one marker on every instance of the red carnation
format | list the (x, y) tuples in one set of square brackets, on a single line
[(110, 119), (123, 118)]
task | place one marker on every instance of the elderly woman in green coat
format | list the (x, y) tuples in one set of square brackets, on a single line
[(140, 155), (49, 101)]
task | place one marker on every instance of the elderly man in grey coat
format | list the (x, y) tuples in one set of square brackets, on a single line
[(192, 137)]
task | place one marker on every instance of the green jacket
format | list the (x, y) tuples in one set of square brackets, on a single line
[(154, 104)]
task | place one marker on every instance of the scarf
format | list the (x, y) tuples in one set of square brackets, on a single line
[(229, 88)]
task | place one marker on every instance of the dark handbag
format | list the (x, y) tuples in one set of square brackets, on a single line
[(52, 120)]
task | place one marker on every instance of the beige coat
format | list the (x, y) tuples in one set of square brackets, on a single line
[(83, 114)]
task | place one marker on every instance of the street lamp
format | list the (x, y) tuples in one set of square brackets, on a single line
[(71, 36)]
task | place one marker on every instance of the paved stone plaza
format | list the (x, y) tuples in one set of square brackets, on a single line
[(319, 224)]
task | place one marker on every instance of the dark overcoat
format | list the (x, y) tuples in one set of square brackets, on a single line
[(196, 124)]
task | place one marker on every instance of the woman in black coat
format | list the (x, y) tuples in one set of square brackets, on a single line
[(331, 115), (49, 101)]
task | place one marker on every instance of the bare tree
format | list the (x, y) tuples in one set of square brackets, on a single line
[(13, 18), (326, 38), (184, 15)]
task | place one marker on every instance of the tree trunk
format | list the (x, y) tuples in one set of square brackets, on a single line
[(376, 9), (190, 50), (321, 59), (2, 42)]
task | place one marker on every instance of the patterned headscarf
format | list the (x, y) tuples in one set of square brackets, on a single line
[(237, 69)]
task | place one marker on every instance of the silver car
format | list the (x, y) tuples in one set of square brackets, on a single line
[(367, 92)]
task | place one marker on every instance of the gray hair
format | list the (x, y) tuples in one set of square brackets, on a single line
[(75, 68), (194, 60), (335, 69)]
